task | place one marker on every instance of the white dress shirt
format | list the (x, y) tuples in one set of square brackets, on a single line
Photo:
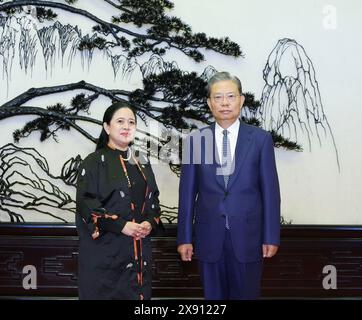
[(233, 132)]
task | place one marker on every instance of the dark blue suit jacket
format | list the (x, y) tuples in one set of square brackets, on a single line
[(251, 199)]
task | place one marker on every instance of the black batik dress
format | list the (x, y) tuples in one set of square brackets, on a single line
[(110, 192)]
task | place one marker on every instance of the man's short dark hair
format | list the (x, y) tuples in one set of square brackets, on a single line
[(223, 76)]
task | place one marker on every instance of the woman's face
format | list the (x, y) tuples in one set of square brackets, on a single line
[(122, 128)]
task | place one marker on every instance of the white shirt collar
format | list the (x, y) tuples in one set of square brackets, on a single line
[(233, 129), (233, 132)]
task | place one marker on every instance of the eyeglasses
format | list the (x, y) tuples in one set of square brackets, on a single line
[(230, 97)]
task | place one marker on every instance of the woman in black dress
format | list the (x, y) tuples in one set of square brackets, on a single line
[(117, 208)]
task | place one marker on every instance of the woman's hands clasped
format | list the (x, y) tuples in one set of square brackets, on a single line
[(137, 230)]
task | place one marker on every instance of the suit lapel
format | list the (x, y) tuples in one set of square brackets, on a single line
[(241, 150)]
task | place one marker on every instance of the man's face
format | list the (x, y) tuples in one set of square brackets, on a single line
[(225, 102)]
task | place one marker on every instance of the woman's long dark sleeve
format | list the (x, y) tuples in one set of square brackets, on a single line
[(88, 203)]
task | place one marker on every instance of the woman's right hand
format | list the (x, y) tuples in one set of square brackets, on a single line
[(133, 229)]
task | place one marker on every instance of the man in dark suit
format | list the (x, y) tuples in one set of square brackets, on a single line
[(229, 199)]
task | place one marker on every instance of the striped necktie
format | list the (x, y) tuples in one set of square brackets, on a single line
[(226, 163), (226, 156)]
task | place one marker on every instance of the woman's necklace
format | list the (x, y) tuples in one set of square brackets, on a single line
[(125, 168), (125, 171), (129, 154)]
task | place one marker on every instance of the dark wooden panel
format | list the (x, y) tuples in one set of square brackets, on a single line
[(55, 259), (296, 272)]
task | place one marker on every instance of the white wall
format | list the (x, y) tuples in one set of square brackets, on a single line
[(314, 189)]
